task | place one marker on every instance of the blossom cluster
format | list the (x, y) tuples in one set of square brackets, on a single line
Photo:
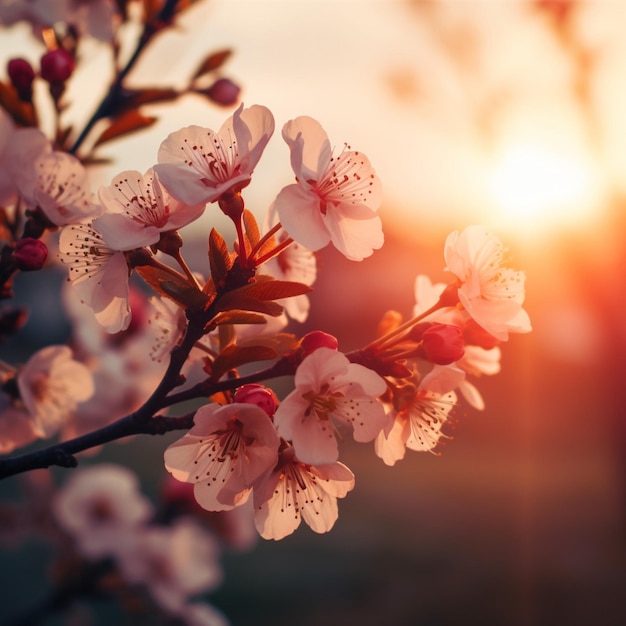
[(283, 455), (166, 334)]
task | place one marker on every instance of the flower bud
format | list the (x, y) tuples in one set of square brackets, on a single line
[(317, 339), (57, 66), (442, 344), (30, 254), (260, 395), (223, 92), (22, 76)]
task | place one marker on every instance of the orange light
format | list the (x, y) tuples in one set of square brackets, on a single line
[(535, 188)]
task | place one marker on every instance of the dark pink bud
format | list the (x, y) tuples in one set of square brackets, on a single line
[(260, 395), (57, 66), (30, 254), (317, 339), (22, 76), (442, 344), (223, 92)]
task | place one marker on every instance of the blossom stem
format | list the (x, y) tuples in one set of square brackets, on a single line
[(115, 95), (283, 245), (268, 235), (62, 454), (179, 259), (394, 336)]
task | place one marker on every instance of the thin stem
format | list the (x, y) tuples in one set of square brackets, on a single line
[(389, 338), (265, 238), (179, 259), (112, 100), (283, 245)]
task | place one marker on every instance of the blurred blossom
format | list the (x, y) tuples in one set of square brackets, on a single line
[(101, 507), (491, 293), (52, 383), (173, 563), (98, 273)]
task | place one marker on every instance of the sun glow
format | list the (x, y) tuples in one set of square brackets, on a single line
[(534, 188)]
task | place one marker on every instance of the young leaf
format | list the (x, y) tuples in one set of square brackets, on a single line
[(168, 284), (252, 228), (274, 289), (220, 259), (212, 62), (234, 356), (126, 123), (235, 316)]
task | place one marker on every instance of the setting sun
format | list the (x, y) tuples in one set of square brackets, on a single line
[(534, 187)]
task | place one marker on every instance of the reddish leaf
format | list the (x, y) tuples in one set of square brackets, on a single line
[(234, 356), (168, 284), (212, 62), (220, 259), (23, 113), (252, 228), (238, 300), (235, 316), (126, 123), (267, 288), (139, 97), (283, 343)]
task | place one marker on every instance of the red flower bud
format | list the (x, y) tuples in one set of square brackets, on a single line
[(262, 396), (30, 254), (442, 344), (317, 339), (223, 92), (22, 76), (57, 66)]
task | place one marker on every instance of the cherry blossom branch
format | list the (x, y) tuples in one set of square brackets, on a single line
[(115, 94), (448, 298), (62, 454)]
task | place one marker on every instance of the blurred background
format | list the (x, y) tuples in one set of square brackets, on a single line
[(508, 113)]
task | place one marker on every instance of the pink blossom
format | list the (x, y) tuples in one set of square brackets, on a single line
[(417, 424), (330, 392), (19, 150), (16, 427), (223, 453), (172, 563), (138, 209), (296, 491), (51, 385), (334, 199), (490, 293), (198, 165), (98, 273), (60, 189), (100, 506)]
